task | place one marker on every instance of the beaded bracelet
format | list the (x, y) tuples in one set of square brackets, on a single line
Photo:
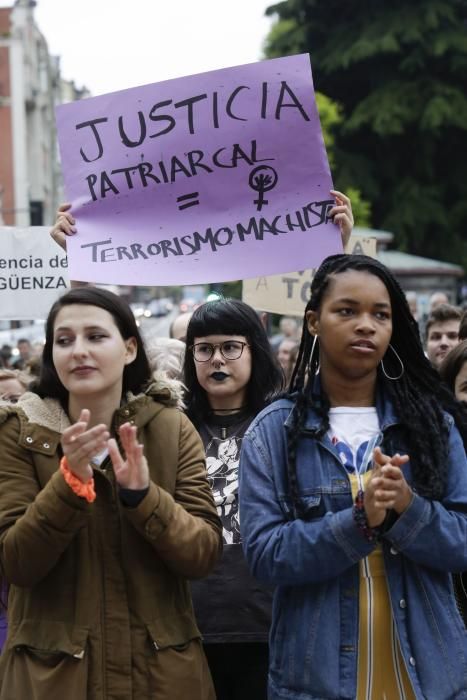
[(84, 490), (372, 534)]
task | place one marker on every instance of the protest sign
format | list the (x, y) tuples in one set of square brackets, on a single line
[(206, 178), (288, 294), (33, 272)]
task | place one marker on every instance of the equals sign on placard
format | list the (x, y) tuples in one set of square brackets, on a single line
[(188, 200)]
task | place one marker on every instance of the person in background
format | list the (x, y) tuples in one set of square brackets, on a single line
[(25, 352), (412, 301), (13, 384), (33, 366), (453, 371), (6, 355), (37, 348), (292, 361), (442, 332), (179, 326), (105, 514), (436, 299), (353, 501), (288, 329), (463, 327), (285, 351), (166, 355)]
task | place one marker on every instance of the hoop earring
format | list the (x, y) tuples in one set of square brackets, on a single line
[(315, 340), (393, 379)]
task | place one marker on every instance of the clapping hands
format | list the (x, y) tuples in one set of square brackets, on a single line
[(387, 488), (81, 443), (132, 473)]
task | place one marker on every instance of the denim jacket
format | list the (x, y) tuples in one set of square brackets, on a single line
[(314, 563)]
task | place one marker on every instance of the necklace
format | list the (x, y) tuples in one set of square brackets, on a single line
[(222, 422)]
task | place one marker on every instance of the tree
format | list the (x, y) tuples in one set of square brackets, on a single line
[(330, 115), (398, 72)]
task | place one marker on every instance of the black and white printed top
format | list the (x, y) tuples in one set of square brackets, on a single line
[(230, 605)]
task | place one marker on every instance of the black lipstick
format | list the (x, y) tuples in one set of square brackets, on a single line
[(219, 376)]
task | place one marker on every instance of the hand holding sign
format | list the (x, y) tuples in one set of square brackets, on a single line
[(342, 215), (64, 225)]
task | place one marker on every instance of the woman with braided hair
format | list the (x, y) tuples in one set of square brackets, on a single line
[(353, 502)]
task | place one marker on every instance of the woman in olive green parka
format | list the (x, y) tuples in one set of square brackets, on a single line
[(99, 605)]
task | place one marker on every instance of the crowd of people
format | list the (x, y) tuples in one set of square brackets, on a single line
[(223, 514)]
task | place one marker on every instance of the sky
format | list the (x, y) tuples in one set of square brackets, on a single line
[(109, 45)]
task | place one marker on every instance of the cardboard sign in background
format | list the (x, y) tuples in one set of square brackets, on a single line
[(207, 178), (33, 272), (289, 293)]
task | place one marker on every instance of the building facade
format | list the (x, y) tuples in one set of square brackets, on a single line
[(30, 88)]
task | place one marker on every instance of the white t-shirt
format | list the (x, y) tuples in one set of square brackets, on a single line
[(97, 460), (354, 431)]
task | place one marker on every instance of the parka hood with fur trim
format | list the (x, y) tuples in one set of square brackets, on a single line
[(48, 413)]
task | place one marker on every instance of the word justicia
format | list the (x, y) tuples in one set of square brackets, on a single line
[(190, 115), (309, 216)]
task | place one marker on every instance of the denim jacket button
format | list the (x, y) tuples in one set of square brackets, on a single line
[(412, 661), (393, 550), (402, 603)]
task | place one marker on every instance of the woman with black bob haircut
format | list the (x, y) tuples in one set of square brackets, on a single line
[(353, 497), (105, 514), (231, 317), (231, 374)]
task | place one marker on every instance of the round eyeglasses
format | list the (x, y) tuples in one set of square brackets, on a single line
[(230, 350)]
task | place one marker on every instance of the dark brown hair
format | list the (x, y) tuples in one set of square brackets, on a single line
[(135, 375)]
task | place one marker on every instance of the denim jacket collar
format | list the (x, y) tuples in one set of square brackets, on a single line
[(384, 408)]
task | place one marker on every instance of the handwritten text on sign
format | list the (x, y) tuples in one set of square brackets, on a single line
[(211, 177)]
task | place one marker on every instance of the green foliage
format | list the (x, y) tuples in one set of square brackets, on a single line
[(330, 116), (284, 39), (397, 73), (394, 107), (360, 207)]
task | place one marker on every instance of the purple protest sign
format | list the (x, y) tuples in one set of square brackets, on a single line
[(206, 178)]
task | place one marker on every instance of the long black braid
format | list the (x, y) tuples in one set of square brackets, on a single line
[(419, 396)]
